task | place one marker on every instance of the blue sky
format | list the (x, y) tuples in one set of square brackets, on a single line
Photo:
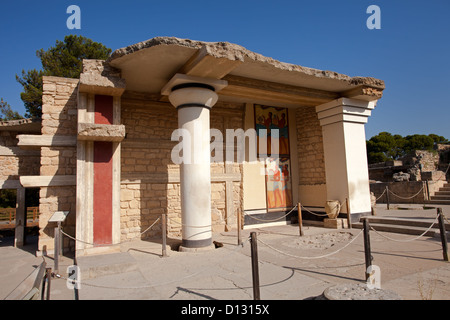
[(410, 52)]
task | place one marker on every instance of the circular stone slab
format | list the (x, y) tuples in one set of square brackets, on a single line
[(358, 291)]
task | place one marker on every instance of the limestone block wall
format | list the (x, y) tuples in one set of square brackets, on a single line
[(311, 163), (150, 181), (59, 118), (414, 191), (15, 161)]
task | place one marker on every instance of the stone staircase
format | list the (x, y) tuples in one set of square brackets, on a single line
[(442, 196), (403, 225)]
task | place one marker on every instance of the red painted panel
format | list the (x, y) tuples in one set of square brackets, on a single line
[(103, 152), (103, 109)]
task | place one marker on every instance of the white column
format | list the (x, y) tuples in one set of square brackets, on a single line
[(344, 143), (193, 98)]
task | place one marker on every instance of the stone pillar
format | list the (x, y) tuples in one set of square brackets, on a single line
[(344, 143), (194, 97), (99, 140)]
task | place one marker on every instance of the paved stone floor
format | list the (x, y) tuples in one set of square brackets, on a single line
[(291, 267)]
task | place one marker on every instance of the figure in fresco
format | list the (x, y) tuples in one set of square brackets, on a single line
[(278, 183)]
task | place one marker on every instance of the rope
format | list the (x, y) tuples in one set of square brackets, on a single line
[(110, 244), (271, 220), (149, 286), (445, 173), (316, 214), (406, 240), (381, 195), (405, 198), (186, 225), (445, 218), (311, 258)]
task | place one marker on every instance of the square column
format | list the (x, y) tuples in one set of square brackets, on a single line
[(344, 142)]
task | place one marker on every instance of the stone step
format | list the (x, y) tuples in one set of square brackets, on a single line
[(439, 201), (420, 223), (400, 229), (444, 189), (105, 264), (440, 197), (442, 193)]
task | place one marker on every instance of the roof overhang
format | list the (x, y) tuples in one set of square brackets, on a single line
[(148, 66)]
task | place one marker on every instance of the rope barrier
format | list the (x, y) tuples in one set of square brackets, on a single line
[(407, 240), (149, 286), (110, 244), (445, 218), (311, 258), (444, 175), (186, 225), (381, 195), (313, 213), (271, 220)]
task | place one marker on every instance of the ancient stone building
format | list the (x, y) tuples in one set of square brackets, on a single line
[(15, 162), (110, 150)]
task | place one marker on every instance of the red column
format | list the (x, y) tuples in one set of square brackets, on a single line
[(103, 152)]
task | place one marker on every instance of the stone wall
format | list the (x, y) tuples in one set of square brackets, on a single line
[(14, 161), (311, 163), (405, 189), (426, 160), (59, 118)]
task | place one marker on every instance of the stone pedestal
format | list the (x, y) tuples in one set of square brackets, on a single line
[(337, 223)]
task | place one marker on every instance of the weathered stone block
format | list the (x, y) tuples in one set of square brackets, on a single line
[(338, 223), (101, 132)]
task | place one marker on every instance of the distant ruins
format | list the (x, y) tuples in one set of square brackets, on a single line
[(416, 178)]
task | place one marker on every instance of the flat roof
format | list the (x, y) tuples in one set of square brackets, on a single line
[(147, 66)]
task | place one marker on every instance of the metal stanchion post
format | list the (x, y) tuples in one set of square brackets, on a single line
[(443, 234), (57, 248), (164, 234), (367, 251), (238, 215), (387, 197), (349, 217), (300, 219)]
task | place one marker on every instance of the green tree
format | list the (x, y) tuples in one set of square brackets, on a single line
[(438, 139), (32, 94), (418, 142), (6, 113), (386, 146), (65, 59)]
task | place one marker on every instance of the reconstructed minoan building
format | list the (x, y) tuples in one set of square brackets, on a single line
[(157, 129)]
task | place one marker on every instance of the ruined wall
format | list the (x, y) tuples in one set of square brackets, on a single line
[(150, 181), (14, 161), (59, 118)]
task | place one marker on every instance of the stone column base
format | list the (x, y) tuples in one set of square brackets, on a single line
[(202, 249)]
